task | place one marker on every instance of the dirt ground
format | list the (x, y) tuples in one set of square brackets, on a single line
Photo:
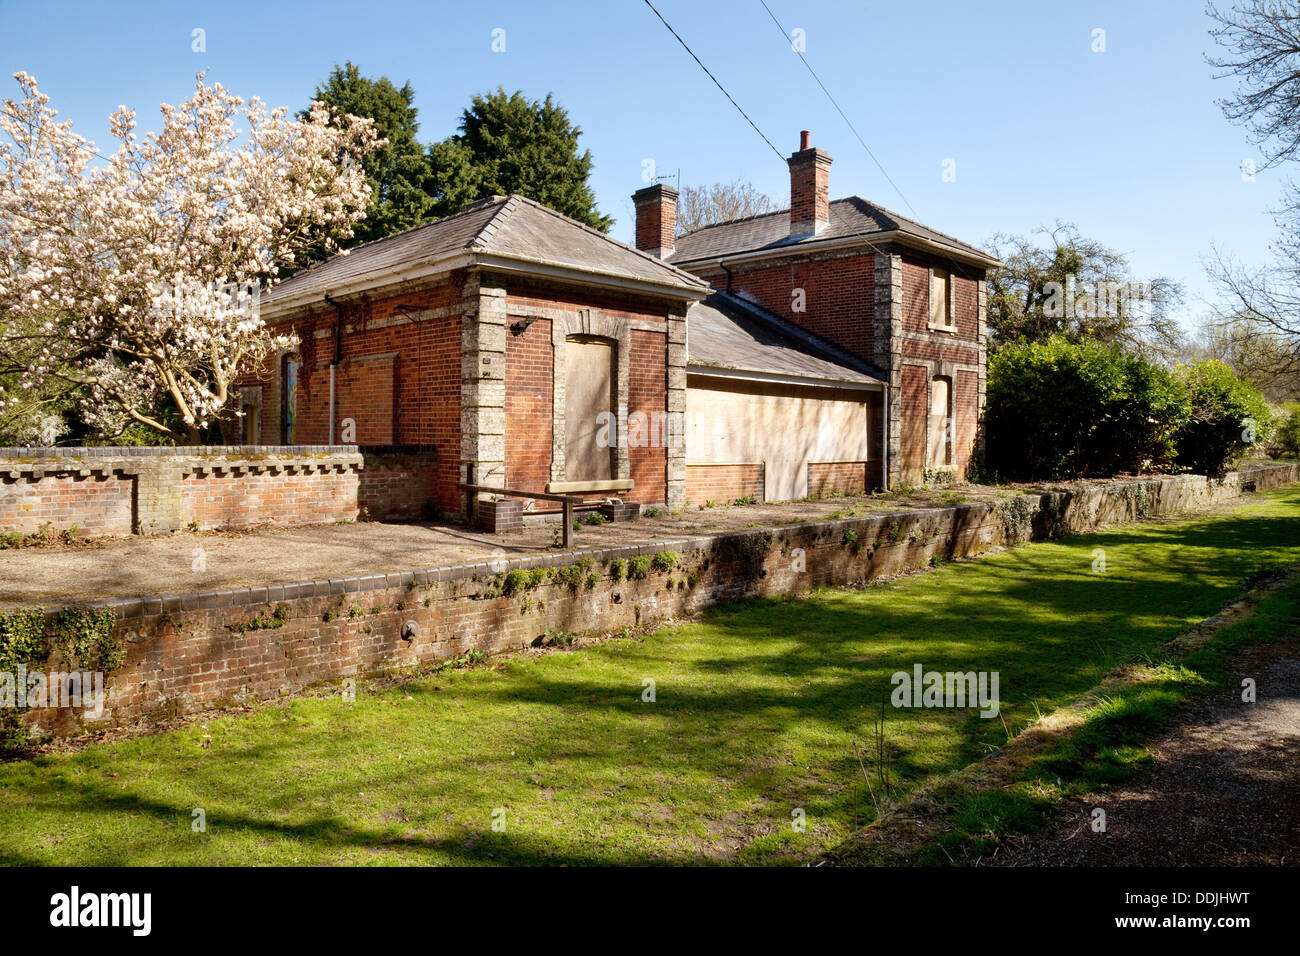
[(56, 574), (135, 566), (1224, 790)]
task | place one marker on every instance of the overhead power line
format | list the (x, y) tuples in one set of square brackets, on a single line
[(716, 83), (883, 172)]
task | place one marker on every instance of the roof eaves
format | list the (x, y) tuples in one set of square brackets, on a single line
[(722, 370)]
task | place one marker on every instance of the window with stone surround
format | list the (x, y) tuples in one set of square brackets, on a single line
[(939, 426), (941, 299), (591, 371)]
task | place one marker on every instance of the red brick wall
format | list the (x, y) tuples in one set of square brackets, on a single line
[(521, 296), (411, 400), (954, 349), (915, 405), (234, 501), (916, 299), (723, 484), (842, 478), (397, 485), (94, 504), (839, 296), (529, 387), (529, 406), (648, 394), (366, 392)]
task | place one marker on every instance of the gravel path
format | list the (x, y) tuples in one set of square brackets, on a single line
[(1224, 790)]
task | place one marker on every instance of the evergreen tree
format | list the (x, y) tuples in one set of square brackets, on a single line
[(510, 144), (397, 172)]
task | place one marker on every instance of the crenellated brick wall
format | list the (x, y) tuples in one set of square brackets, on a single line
[(103, 491), (94, 500)]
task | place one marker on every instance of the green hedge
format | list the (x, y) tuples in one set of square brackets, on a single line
[(1061, 409), (1225, 416)]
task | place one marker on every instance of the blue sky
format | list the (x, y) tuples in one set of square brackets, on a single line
[(1127, 143)]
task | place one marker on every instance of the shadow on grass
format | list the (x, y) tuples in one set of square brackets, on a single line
[(737, 694)]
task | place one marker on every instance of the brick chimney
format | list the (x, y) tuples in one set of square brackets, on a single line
[(810, 190), (656, 219)]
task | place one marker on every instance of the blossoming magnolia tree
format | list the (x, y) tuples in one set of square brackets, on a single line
[(132, 279)]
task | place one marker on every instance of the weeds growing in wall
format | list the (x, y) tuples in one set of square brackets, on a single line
[(83, 637), (750, 550), (1017, 516)]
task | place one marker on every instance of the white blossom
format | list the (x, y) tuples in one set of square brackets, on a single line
[(136, 276)]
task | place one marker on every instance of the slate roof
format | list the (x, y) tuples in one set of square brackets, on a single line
[(513, 227), (849, 217), (727, 333)]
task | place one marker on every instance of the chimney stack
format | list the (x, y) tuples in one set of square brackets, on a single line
[(810, 190), (656, 219)]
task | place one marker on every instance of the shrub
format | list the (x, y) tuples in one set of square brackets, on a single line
[(1286, 434), (617, 569), (638, 568), (1060, 409), (1226, 416)]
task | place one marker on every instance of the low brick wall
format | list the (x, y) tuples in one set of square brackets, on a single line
[(196, 651), (397, 482), (103, 491), (723, 483), (843, 477), (97, 501)]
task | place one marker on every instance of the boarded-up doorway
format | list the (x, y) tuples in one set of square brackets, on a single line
[(589, 427)]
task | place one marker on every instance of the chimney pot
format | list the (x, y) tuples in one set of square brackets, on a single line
[(810, 198)]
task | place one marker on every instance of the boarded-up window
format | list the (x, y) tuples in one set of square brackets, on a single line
[(939, 282), (589, 429), (367, 400), (939, 430)]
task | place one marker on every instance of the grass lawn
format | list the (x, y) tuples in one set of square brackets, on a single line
[(758, 710)]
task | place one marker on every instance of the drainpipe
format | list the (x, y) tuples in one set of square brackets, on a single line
[(884, 442), (722, 265), (338, 356)]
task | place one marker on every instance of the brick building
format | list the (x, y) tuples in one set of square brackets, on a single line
[(766, 357), (874, 294)]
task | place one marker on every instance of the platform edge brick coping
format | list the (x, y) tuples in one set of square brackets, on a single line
[(187, 653)]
